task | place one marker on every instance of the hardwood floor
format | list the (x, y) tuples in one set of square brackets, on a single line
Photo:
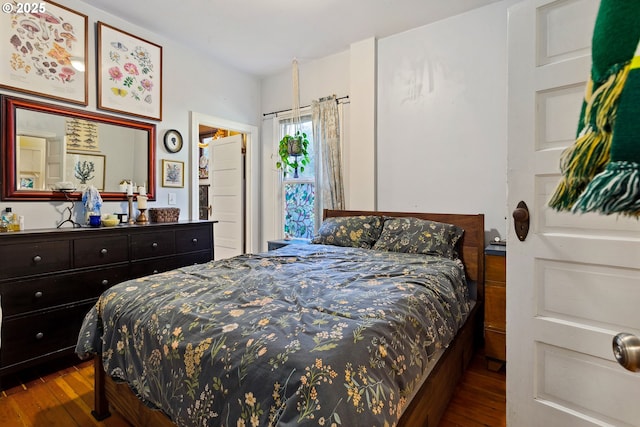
[(480, 398), (63, 397), (52, 397)]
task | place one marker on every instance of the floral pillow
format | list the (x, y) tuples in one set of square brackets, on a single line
[(419, 236), (350, 231)]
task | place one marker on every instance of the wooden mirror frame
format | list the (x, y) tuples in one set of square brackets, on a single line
[(8, 149)]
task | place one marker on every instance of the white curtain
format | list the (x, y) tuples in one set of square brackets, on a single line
[(326, 135)]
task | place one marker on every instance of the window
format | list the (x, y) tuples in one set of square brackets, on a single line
[(299, 194)]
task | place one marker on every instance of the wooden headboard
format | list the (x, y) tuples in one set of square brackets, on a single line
[(472, 244)]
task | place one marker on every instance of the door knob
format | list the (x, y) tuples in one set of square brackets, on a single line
[(521, 220), (626, 349)]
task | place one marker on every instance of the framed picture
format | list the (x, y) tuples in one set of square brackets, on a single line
[(85, 169), (43, 50), (27, 182), (172, 173), (129, 74), (81, 135)]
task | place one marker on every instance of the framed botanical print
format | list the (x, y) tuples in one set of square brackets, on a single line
[(85, 169), (172, 173), (129, 74), (43, 50)]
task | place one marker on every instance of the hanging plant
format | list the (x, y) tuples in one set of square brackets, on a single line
[(294, 153)]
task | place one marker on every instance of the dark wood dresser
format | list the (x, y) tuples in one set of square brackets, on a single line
[(49, 279)]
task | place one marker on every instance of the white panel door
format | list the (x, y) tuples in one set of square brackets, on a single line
[(226, 195), (574, 283), (30, 159), (55, 161)]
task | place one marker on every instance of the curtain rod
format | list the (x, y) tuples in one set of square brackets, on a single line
[(305, 106)]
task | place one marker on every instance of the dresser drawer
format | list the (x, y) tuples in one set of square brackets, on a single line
[(40, 335), (92, 252), (37, 294), (153, 266), (495, 307), (149, 245), (193, 258), (26, 259), (495, 268), (194, 239)]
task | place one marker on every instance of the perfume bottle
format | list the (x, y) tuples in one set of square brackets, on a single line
[(14, 225), (6, 220)]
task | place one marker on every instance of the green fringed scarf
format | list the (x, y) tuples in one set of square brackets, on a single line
[(601, 170)]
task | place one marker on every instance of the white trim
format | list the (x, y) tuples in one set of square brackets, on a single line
[(252, 173)]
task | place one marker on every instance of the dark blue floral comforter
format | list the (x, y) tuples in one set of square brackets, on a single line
[(304, 335)]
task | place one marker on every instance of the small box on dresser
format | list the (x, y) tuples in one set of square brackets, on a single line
[(495, 325), (51, 278)]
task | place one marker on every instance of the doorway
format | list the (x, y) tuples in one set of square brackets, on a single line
[(251, 173)]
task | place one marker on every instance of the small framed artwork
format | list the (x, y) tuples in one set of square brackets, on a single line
[(129, 74), (172, 173), (81, 135), (44, 50), (85, 169), (27, 183)]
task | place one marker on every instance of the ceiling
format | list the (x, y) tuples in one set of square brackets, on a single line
[(262, 37)]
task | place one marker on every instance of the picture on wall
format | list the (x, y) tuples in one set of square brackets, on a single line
[(85, 170), (172, 173), (27, 183), (43, 50), (81, 135), (129, 73)]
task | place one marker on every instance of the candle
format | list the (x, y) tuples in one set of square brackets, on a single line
[(130, 190), (142, 202), (142, 191)]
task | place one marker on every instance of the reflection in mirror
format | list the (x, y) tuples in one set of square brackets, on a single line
[(49, 148)]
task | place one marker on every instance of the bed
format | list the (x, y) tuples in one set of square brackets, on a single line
[(332, 333)]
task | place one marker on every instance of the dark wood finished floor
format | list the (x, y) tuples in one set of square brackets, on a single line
[(63, 397)]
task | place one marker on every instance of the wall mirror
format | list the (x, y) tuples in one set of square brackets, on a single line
[(50, 152)]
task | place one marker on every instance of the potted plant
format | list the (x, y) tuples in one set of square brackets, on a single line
[(294, 154)]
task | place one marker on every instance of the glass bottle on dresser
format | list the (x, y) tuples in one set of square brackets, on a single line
[(6, 220)]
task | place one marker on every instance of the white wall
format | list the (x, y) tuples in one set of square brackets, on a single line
[(442, 117), (191, 82), (439, 119)]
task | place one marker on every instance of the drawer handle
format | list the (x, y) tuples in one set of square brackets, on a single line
[(38, 294), (39, 335), (105, 282), (194, 241), (103, 251), (154, 245), (37, 258)]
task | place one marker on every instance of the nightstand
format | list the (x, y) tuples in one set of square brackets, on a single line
[(275, 244), (495, 298)]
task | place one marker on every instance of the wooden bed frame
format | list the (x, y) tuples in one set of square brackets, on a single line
[(429, 404)]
